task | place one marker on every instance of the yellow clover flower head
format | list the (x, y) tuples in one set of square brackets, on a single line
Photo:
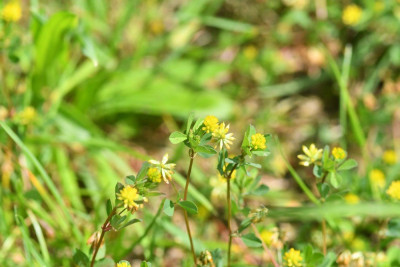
[(292, 258), (338, 153), (154, 175), (377, 178), (311, 155), (11, 12), (351, 14), (128, 195), (394, 190), (389, 157), (258, 141), (123, 264), (210, 123), (351, 198), (167, 169), (222, 137), (27, 115)]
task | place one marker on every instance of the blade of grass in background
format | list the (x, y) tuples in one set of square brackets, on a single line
[(345, 97), (40, 237), (336, 210), (44, 176)]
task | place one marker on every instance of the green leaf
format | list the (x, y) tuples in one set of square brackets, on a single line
[(189, 206), (329, 260), (323, 189), (133, 221), (260, 153), (333, 179), (118, 187), (143, 171), (348, 164), (251, 240), (168, 208), (109, 207), (222, 156), (177, 137), (206, 149), (244, 224), (317, 171), (116, 221), (145, 264), (50, 44), (189, 122), (130, 179), (80, 258), (261, 190), (393, 229), (198, 123)]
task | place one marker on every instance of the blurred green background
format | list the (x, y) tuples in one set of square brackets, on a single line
[(90, 89)]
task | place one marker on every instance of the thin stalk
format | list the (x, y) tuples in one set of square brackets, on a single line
[(104, 229), (264, 246), (324, 236), (191, 154), (228, 199)]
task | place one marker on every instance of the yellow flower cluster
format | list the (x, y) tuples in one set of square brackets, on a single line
[(154, 175), (258, 141), (351, 14), (123, 264), (394, 190), (338, 153), (27, 116), (311, 155), (389, 157), (219, 131), (292, 258), (166, 169), (377, 178), (210, 123), (11, 12), (128, 195)]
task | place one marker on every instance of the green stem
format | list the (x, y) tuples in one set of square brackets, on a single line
[(191, 154), (228, 199)]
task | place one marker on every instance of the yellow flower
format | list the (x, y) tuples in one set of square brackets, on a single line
[(312, 155), (154, 175), (292, 258), (222, 137), (128, 195), (250, 52), (377, 178), (27, 115), (165, 168), (258, 141), (394, 190), (338, 153), (11, 12), (123, 264), (210, 123), (351, 198), (351, 14), (270, 237), (389, 157)]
